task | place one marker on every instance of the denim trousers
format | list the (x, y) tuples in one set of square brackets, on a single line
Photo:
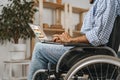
[(44, 53)]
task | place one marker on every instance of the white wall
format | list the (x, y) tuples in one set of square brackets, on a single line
[(4, 49)]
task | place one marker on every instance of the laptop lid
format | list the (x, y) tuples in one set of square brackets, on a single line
[(38, 32)]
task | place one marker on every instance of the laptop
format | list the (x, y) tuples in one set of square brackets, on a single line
[(42, 37)]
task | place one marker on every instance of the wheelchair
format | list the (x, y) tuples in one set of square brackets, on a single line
[(86, 62)]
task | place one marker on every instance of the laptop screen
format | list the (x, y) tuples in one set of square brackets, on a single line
[(38, 32)]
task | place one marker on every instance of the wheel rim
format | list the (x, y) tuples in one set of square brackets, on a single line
[(108, 68)]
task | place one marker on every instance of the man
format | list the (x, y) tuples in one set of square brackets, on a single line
[(96, 29)]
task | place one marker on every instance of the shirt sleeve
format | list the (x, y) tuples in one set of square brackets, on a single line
[(104, 14)]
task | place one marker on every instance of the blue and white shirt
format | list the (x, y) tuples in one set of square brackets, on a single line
[(98, 23)]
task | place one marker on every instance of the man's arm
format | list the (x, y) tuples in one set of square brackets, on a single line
[(97, 25), (65, 37), (99, 22), (80, 39)]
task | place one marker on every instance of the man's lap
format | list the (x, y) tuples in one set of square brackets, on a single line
[(51, 52)]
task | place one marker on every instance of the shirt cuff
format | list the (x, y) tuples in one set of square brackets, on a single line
[(92, 38)]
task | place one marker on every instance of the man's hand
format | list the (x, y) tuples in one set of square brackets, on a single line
[(62, 38)]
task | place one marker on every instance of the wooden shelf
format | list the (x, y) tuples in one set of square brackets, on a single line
[(50, 30), (53, 30), (79, 10), (51, 5), (54, 6), (58, 30)]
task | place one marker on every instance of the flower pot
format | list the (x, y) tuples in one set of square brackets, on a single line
[(18, 51), (19, 47), (17, 55)]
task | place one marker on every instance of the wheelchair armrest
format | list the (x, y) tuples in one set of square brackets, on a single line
[(89, 46), (78, 44)]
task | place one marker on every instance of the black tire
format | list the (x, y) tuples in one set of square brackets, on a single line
[(109, 68), (41, 74)]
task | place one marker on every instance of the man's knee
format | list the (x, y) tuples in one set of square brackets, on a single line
[(37, 49), (38, 46)]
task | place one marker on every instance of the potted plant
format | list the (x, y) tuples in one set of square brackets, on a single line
[(15, 19)]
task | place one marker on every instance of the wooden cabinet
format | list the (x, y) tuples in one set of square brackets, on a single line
[(58, 8)]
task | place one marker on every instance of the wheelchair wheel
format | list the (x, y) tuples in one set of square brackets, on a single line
[(99, 67), (41, 74)]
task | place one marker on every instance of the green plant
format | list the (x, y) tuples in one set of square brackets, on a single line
[(14, 20)]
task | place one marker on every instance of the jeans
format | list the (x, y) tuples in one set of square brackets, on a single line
[(44, 53)]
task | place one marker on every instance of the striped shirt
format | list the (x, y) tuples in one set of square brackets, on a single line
[(98, 22)]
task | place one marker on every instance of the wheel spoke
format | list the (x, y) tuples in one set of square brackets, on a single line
[(113, 73), (96, 68), (96, 72), (101, 70), (107, 71), (90, 73)]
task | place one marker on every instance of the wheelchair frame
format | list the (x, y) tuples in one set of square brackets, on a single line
[(110, 56)]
